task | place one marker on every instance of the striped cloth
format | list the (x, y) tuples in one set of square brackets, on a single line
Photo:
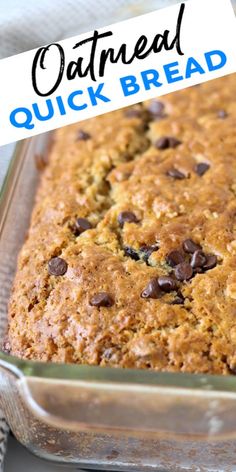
[(3, 438)]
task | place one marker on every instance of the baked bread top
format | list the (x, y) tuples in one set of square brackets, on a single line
[(130, 259)]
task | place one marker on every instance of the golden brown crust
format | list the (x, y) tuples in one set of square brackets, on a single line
[(123, 167)]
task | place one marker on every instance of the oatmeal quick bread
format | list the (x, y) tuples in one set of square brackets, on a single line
[(130, 259)]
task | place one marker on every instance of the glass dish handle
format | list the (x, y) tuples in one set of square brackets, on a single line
[(134, 410)]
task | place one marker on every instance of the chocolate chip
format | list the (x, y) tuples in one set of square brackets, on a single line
[(183, 271), (167, 284), (179, 299), (83, 135), (6, 347), (133, 113), (148, 250), (211, 262), (152, 289), (174, 142), (222, 114), (232, 370), (190, 246), (162, 143), (57, 266), (174, 258), (166, 142), (198, 259), (108, 353), (176, 174), (156, 108), (201, 168), (41, 161), (102, 299), (198, 270), (127, 217), (130, 252), (81, 225)]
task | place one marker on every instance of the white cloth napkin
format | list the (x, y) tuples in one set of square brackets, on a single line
[(27, 24)]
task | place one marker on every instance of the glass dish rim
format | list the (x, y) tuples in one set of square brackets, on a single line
[(73, 372)]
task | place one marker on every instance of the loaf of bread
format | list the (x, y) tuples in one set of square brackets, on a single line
[(130, 259)]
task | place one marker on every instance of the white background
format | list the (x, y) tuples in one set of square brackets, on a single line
[(207, 32)]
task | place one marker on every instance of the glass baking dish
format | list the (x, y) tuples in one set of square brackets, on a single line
[(105, 418), (98, 417)]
